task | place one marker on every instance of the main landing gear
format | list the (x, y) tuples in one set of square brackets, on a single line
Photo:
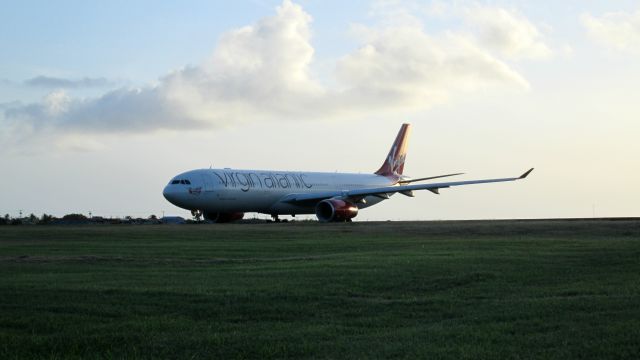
[(277, 219), (197, 215)]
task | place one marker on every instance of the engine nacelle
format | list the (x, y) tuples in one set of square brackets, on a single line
[(223, 217), (335, 210)]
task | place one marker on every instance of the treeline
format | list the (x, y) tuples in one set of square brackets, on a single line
[(46, 219)]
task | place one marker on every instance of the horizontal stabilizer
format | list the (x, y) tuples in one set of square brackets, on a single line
[(408, 181)]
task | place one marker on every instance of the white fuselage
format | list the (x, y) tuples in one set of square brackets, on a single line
[(231, 190), (224, 195)]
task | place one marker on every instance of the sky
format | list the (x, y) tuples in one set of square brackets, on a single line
[(101, 103)]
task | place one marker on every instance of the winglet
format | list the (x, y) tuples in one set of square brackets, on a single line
[(525, 174)]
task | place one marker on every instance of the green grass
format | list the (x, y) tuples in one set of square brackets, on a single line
[(480, 290)]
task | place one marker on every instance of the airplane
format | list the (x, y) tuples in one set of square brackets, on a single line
[(225, 195)]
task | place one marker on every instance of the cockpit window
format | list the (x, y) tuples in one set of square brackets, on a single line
[(180, 181), (175, 182), (187, 182)]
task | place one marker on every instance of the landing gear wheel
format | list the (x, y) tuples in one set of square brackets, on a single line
[(197, 215)]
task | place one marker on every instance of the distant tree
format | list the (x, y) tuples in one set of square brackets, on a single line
[(7, 217), (74, 217), (33, 219), (3, 221), (45, 219), (153, 217)]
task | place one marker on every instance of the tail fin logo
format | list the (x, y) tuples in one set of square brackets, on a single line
[(394, 163)]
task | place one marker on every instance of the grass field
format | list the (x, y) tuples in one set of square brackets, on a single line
[(481, 290)]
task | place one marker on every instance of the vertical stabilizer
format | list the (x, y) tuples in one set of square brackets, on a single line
[(394, 164)]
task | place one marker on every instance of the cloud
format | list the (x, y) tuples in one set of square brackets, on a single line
[(256, 71), (10, 104), (617, 30), (508, 32), (119, 111), (78, 143), (264, 72), (408, 68), (55, 82)]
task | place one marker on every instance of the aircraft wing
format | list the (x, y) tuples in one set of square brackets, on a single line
[(384, 192)]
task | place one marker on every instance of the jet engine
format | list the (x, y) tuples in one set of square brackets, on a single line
[(335, 210), (223, 217)]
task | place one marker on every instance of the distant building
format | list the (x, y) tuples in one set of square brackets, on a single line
[(173, 220)]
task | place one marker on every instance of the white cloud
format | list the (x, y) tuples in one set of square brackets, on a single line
[(405, 67), (56, 103), (617, 30), (255, 72), (119, 111), (393, 13), (508, 32), (263, 72), (56, 82)]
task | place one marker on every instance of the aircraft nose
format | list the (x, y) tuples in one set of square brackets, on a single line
[(169, 194)]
